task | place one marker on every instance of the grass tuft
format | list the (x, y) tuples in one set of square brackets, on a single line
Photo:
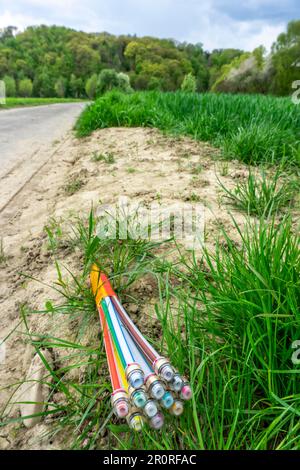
[(74, 185), (103, 157), (262, 195), (3, 257), (253, 128)]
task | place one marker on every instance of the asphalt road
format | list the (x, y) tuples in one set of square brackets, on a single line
[(28, 137), (23, 131)]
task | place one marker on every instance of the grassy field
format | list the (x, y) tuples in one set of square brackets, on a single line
[(20, 102), (254, 129), (227, 317)]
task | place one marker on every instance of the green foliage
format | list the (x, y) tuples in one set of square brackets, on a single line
[(76, 86), (91, 86), (7, 33), (259, 54), (286, 59), (254, 129), (20, 102), (109, 80), (157, 64), (218, 59), (189, 84), (71, 58), (226, 69), (3, 256), (74, 184), (124, 83), (25, 88), (43, 85), (103, 157), (239, 342), (275, 74), (262, 195), (10, 86), (60, 87), (248, 73), (74, 57)]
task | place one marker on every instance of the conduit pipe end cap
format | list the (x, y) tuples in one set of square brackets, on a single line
[(163, 368), (135, 419)]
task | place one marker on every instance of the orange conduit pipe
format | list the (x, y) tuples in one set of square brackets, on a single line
[(119, 396), (113, 372)]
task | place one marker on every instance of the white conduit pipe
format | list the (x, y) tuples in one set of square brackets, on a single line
[(142, 338), (119, 333), (138, 357)]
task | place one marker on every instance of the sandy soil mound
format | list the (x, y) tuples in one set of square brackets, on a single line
[(141, 164)]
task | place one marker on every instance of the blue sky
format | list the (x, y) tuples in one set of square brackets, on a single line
[(215, 23)]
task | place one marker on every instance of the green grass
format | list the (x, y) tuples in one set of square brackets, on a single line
[(253, 128), (262, 195), (73, 185), (130, 170), (20, 102), (108, 158), (3, 257), (226, 319)]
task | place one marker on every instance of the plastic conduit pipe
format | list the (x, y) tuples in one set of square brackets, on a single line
[(134, 373), (119, 396)]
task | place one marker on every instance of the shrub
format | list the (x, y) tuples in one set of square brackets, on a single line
[(91, 86), (60, 87), (110, 79), (107, 80), (10, 86), (124, 83), (189, 83), (25, 88), (262, 195)]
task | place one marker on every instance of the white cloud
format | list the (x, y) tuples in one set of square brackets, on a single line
[(265, 36), (20, 20), (215, 23), (241, 35)]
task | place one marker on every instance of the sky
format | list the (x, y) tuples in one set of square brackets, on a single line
[(214, 23)]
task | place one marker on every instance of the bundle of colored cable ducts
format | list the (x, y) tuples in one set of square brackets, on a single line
[(143, 382)]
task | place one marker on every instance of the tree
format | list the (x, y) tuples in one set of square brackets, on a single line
[(76, 86), (199, 62), (124, 83), (107, 80), (8, 32), (71, 58), (157, 64), (286, 59), (91, 86), (43, 85), (60, 87), (217, 62), (77, 56), (10, 86), (110, 79), (86, 60), (189, 83), (25, 88)]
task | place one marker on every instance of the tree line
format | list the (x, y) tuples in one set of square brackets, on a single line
[(54, 61)]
